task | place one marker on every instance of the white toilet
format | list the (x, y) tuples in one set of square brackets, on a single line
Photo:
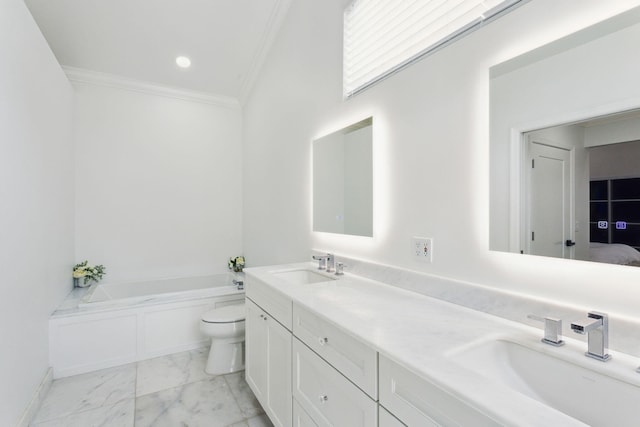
[(225, 326)]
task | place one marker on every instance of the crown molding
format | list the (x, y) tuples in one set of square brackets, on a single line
[(276, 19), (81, 75)]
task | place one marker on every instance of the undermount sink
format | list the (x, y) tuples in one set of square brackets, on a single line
[(582, 390), (302, 276)]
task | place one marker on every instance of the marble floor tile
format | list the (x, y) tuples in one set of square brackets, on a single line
[(119, 415), (244, 396), (206, 403), (84, 392), (171, 371), (260, 421)]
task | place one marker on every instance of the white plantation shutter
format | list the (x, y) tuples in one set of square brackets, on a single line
[(381, 36)]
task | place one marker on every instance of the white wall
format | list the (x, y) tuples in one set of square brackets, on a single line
[(615, 161), (158, 183), (431, 139), (612, 133), (36, 199)]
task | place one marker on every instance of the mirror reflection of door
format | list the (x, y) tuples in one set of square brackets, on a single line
[(550, 191)]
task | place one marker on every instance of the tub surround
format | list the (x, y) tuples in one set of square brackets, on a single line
[(624, 332), (420, 332), (75, 302), (85, 338)]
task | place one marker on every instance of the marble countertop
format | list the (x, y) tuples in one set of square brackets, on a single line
[(421, 332)]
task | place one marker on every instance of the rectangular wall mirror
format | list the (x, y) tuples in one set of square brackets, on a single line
[(343, 181), (565, 147)]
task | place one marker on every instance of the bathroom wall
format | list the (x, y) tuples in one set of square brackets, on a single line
[(36, 199), (158, 183), (615, 161), (431, 154)]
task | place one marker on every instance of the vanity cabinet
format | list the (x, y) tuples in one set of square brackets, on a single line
[(418, 402), (350, 356), (326, 395), (268, 363), (385, 419), (300, 417), (270, 300)]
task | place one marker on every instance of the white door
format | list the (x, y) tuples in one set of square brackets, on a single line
[(549, 230)]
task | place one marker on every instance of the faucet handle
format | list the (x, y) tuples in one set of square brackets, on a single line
[(322, 261), (552, 330), (339, 268)]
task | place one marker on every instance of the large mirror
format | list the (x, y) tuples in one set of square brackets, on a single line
[(343, 181), (565, 147)]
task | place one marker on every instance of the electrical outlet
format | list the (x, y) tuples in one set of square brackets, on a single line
[(422, 248)]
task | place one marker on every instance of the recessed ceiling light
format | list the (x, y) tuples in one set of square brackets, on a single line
[(183, 62)]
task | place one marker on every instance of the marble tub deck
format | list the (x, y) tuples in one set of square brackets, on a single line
[(166, 391)]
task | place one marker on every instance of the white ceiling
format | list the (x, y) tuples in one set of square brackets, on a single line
[(226, 40)]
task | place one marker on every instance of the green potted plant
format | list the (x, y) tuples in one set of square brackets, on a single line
[(89, 273), (236, 264)]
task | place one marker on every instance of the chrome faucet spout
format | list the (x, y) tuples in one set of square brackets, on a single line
[(596, 327), (331, 263)]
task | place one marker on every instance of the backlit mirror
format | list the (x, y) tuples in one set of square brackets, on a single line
[(343, 181), (564, 147)]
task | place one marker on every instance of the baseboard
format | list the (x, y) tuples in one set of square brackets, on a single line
[(36, 399)]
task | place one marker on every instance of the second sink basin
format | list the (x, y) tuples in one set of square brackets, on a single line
[(302, 276), (577, 390)]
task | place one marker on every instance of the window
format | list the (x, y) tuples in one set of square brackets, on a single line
[(382, 36)]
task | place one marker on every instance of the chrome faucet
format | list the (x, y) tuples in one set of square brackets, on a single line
[(339, 269), (596, 327), (322, 261), (239, 284), (552, 330), (327, 262)]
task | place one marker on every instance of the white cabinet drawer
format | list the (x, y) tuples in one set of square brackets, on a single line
[(273, 302), (385, 419), (300, 417), (418, 402), (326, 395), (356, 360)]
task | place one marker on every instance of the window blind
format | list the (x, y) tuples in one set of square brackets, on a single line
[(382, 36)]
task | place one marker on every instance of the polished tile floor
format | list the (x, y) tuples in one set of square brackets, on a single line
[(166, 391)]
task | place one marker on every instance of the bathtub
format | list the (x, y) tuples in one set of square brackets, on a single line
[(158, 290), (108, 325)]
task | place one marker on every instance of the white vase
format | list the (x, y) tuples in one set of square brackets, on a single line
[(78, 282)]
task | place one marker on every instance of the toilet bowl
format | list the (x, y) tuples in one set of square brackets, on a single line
[(225, 326)]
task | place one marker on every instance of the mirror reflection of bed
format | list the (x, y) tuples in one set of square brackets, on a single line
[(614, 253)]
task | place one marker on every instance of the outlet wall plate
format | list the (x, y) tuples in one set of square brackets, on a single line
[(422, 249)]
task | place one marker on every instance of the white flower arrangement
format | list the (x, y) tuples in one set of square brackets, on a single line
[(236, 264), (88, 272)]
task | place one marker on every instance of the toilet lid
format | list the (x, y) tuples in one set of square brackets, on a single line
[(228, 314)]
